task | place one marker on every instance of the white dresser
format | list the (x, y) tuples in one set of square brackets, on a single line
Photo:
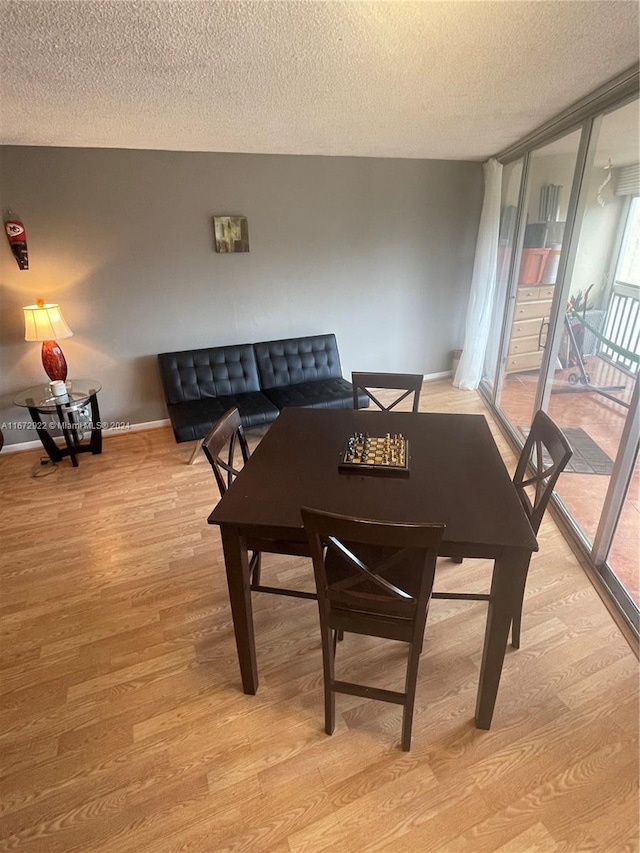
[(533, 305)]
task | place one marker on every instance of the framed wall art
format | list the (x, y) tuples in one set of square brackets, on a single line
[(231, 233)]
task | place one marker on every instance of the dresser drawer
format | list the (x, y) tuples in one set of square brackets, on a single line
[(532, 310), (522, 345), (526, 328), (536, 292), (524, 361)]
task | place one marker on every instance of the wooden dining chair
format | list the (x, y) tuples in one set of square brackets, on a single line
[(409, 383), (372, 578), (544, 457), (221, 447), (225, 437)]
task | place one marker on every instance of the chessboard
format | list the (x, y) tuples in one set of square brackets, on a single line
[(385, 455)]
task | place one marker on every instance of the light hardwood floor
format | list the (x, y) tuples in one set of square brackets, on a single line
[(124, 727)]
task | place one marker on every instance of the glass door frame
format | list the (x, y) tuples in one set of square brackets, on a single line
[(595, 554), (620, 478), (552, 343), (510, 300), (575, 214), (598, 550)]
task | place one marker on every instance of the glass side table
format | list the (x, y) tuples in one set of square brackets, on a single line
[(68, 413)]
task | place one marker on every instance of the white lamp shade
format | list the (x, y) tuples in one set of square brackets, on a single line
[(44, 323)]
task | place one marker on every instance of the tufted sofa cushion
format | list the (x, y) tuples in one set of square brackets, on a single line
[(322, 394), (202, 373), (193, 420), (296, 360)]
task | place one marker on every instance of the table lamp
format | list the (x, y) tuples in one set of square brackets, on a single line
[(45, 323)]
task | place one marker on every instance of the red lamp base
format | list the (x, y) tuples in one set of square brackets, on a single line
[(53, 361)]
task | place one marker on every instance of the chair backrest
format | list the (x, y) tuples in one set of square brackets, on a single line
[(374, 575), (409, 383), (545, 454), (223, 438)]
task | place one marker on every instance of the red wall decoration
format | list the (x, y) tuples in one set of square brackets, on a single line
[(17, 237)]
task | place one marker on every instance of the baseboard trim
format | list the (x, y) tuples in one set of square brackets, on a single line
[(33, 445), (442, 375), (139, 427)]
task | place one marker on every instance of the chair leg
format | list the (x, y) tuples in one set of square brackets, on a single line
[(328, 649), (456, 559), (256, 567), (195, 452), (410, 694)]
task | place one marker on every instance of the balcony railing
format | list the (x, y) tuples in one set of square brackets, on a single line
[(622, 328)]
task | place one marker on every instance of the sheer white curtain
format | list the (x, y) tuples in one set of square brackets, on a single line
[(483, 283)]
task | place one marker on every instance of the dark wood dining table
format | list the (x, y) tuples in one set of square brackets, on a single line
[(456, 477)]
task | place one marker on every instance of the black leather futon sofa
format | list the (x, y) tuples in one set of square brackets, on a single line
[(260, 379)]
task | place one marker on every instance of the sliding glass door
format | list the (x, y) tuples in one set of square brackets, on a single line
[(545, 202), (511, 188), (623, 561), (566, 330), (591, 385)]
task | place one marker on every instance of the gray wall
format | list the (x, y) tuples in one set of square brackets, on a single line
[(379, 251)]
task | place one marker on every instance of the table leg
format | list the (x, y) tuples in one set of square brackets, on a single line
[(74, 428), (53, 451), (67, 425), (236, 562), (95, 443), (507, 585)]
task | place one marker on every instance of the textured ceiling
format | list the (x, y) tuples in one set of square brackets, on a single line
[(454, 80)]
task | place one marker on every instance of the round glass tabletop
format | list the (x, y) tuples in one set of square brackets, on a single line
[(40, 397)]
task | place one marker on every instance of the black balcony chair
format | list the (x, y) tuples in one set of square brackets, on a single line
[(409, 383), (220, 446), (545, 455), (372, 578)]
